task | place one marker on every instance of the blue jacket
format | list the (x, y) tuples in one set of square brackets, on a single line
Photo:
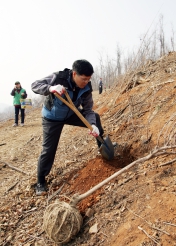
[(55, 109)]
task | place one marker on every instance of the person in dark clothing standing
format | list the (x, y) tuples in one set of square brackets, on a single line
[(100, 86), (55, 114), (18, 93)]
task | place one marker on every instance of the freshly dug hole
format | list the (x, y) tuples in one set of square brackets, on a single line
[(61, 222)]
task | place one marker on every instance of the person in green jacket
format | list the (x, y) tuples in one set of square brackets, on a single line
[(18, 93)]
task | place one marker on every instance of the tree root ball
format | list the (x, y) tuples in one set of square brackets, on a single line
[(61, 222)]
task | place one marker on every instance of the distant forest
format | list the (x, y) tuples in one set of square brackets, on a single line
[(153, 45)]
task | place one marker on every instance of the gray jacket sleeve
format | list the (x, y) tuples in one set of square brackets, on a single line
[(42, 86), (88, 113)]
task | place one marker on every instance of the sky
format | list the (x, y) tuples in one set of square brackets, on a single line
[(39, 37)]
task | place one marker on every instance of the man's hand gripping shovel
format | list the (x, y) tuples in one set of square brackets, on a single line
[(107, 148)]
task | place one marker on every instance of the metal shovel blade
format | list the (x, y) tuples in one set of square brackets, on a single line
[(107, 149)]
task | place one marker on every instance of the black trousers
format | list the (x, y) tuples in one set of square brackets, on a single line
[(17, 110), (51, 135), (100, 89)]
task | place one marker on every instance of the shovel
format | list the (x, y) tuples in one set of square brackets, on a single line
[(107, 148)]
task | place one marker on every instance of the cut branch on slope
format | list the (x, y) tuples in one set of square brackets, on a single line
[(14, 168)]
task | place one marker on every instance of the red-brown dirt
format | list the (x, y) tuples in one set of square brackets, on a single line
[(138, 207), (84, 180)]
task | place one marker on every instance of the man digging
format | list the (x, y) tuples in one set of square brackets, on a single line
[(55, 114)]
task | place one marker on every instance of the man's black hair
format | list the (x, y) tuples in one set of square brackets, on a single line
[(17, 83), (83, 67)]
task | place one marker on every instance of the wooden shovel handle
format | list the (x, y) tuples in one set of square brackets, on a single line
[(68, 98), (72, 106)]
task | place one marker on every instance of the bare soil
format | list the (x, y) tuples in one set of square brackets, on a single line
[(138, 207)]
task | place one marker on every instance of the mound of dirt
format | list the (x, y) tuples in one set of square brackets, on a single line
[(137, 208)]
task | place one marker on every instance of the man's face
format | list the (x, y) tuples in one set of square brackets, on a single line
[(80, 80), (17, 86)]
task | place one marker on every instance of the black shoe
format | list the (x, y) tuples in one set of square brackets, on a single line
[(40, 189)]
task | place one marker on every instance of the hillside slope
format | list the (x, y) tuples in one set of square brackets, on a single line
[(137, 208)]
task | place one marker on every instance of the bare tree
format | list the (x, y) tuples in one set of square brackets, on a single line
[(153, 46), (95, 78), (161, 37), (153, 50), (101, 65), (173, 39), (118, 68)]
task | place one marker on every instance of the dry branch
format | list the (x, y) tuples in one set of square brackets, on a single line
[(165, 125), (14, 168), (55, 193), (163, 83), (168, 223), (167, 163), (149, 223), (153, 239), (11, 187), (2, 144)]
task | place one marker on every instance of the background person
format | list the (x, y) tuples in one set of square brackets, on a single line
[(100, 86), (56, 114), (18, 93)]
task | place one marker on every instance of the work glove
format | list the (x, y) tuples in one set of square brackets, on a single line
[(95, 131), (58, 89)]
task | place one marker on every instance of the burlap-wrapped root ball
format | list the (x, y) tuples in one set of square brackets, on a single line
[(61, 222)]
